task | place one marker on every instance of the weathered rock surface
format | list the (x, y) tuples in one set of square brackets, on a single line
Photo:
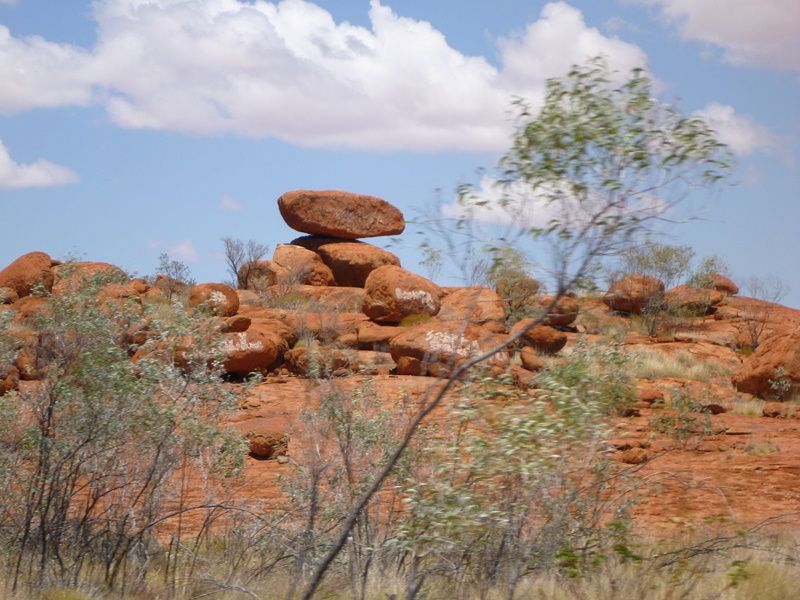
[(439, 344), (540, 337), (633, 293), (27, 272), (296, 265), (71, 276), (393, 293), (247, 351), (563, 313), (724, 284), (530, 359), (758, 369), (693, 300), (258, 275), (8, 295), (352, 262), (340, 214), (221, 299), (478, 305)]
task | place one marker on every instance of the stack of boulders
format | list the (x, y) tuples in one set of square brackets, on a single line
[(636, 294), (356, 307)]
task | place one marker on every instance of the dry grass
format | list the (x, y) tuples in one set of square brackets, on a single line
[(650, 364)]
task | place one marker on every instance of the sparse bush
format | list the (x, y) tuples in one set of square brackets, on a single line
[(176, 276), (89, 457), (768, 291), (241, 257)]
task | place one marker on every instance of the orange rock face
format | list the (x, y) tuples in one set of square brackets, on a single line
[(446, 343), (478, 305), (28, 271), (352, 262), (393, 293), (340, 214), (296, 265), (692, 300), (633, 293), (541, 337), (758, 369), (252, 350), (563, 313), (258, 275), (70, 277), (221, 299), (724, 284)]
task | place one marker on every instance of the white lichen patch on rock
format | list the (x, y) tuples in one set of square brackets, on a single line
[(217, 298), (238, 343), (418, 296), (447, 342)]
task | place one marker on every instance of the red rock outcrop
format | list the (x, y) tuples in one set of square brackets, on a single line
[(759, 369), (393, 293), (724, 284), (478, 305), (340, 214), (633, 293), (351, 262), (541, 337), (441, 344), (221, 299), (296, 265), (71, 276), (247, 351), (563, 313), (28, 271), (693, 300)]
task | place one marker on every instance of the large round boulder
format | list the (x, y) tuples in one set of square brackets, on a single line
[(257, 275), (428, 347), (221, 299), (543, 338), (393, 293), (297, 265), (775, 364), (252, 350), (27, 272), (72, 276), (340, 214), (352, 262), (723, 284), (478, 305), (633, 293), (693, 300), (562, 313)]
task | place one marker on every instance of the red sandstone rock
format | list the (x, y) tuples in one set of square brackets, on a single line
[(296, 265), (758, 369), (8, 295), (724, 284), (258, 275), (393, 293), (530, 359), (340, 214), (541, 337), (27, 272), (446, 343), (633, 293), (252, 350), (692, 300), (563, 313), (478, 305), (352, 262), (221, 299), (71, 276)]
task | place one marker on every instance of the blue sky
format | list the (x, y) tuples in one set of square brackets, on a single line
[(135, 127)]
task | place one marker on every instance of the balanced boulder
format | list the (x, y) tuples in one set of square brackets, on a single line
[(340, 214), (393, 293), (562, 313), (633, 293), (724, 284), (27, 272)]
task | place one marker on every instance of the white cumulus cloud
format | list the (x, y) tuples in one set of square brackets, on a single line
[(743, 135), (230, 203), (288, 70), (183, 251), (764, 33), (40, 173)]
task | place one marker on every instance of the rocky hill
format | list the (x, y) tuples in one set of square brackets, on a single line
[(713, 432)]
